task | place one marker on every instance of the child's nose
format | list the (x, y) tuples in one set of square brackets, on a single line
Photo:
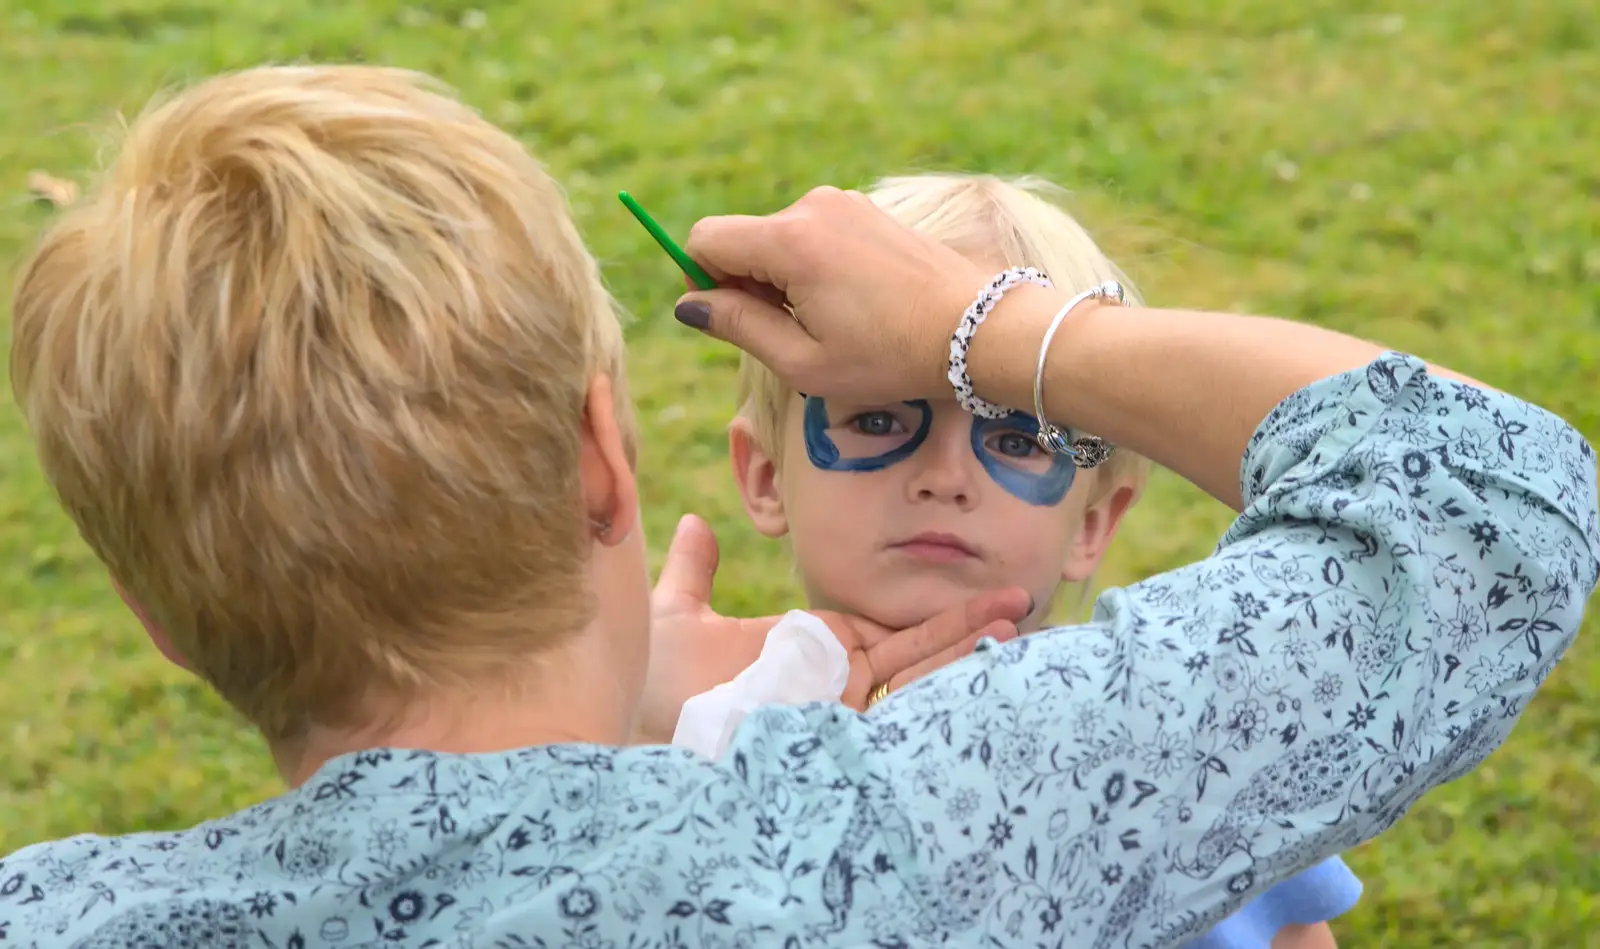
[(945, 474), (947, 491)]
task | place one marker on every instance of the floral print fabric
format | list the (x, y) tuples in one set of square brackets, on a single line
[(1414, 558)]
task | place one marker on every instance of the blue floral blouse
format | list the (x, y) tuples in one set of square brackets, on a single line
[(1414, 558)]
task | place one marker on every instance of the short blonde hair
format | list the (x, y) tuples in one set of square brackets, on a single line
[(1011, 222), (308, 369)]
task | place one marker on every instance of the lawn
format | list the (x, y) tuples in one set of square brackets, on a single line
[(1421, 173)]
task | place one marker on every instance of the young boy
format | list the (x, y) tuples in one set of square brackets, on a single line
[(897, 511)]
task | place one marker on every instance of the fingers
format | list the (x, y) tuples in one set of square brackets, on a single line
[(760, 327), (691, 565), (901, 651), (766, 293), (1001, 630), (769, 248), (762, 291), (737, 245), (1012, 604)]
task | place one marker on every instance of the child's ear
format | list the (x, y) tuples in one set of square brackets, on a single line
[(756, 473), (1100, 522)]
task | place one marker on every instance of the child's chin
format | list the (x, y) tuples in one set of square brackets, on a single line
[(905, 611), (920, 605)]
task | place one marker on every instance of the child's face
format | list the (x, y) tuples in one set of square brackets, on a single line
[(897, 512)]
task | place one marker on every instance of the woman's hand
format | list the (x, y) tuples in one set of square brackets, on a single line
[(841, 263), (693, 649), (874, 305)]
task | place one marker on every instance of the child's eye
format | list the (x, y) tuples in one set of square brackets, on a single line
[(1015, 445), (876, 423)]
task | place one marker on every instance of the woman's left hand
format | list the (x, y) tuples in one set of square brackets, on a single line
[(693, 649)]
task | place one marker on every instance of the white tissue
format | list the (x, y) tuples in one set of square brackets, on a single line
[(801, 661)]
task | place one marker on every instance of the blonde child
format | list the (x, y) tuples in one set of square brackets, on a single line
[(897, 511)]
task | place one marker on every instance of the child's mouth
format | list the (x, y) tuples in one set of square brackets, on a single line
[(935, 547)]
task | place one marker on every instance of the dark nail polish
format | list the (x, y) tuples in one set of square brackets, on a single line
[(693, 313)]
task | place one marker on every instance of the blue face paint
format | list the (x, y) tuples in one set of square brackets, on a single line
[(824, 451), (1007, 449), (874, 439)]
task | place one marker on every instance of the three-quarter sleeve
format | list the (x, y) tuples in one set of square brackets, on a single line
[(1413, 559)]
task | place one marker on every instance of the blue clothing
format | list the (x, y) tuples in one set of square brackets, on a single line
[(1318, 895), (1414, 558)]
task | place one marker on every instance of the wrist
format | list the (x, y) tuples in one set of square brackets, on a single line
[(972, 319), (946, 303), (1005, 351)]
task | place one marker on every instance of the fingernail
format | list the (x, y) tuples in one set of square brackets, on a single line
[(1030, 604), (693, 314)]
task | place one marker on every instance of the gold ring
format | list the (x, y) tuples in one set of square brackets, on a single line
[(877, 694)]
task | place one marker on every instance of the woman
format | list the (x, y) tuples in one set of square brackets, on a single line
[(325, 376)]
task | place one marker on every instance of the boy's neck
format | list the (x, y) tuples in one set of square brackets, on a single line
[(816, 601)]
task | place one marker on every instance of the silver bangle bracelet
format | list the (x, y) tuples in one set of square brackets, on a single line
[(1087, 451)]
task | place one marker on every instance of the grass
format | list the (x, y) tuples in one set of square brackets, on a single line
[(1422, 173)]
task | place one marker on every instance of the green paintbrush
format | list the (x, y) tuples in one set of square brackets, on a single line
[(685, 262)]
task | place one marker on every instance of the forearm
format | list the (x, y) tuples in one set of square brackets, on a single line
[(1417, 564), (1186, 389)]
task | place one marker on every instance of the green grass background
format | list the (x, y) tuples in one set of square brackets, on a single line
[(1427, 174)]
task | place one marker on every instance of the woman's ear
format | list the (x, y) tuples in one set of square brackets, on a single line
[(756, 473), (158, 636), (610, 491), (1100, 522)]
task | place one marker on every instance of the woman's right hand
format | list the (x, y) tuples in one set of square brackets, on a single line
[(875, 304), (841, 263), (694, 649)]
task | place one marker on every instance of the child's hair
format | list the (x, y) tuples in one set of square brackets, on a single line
[(308, 370), (1013, 223)]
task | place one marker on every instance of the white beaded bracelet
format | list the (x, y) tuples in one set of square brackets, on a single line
[(961, 339)]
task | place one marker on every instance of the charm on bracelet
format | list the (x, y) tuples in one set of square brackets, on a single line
[(1086, 451)]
